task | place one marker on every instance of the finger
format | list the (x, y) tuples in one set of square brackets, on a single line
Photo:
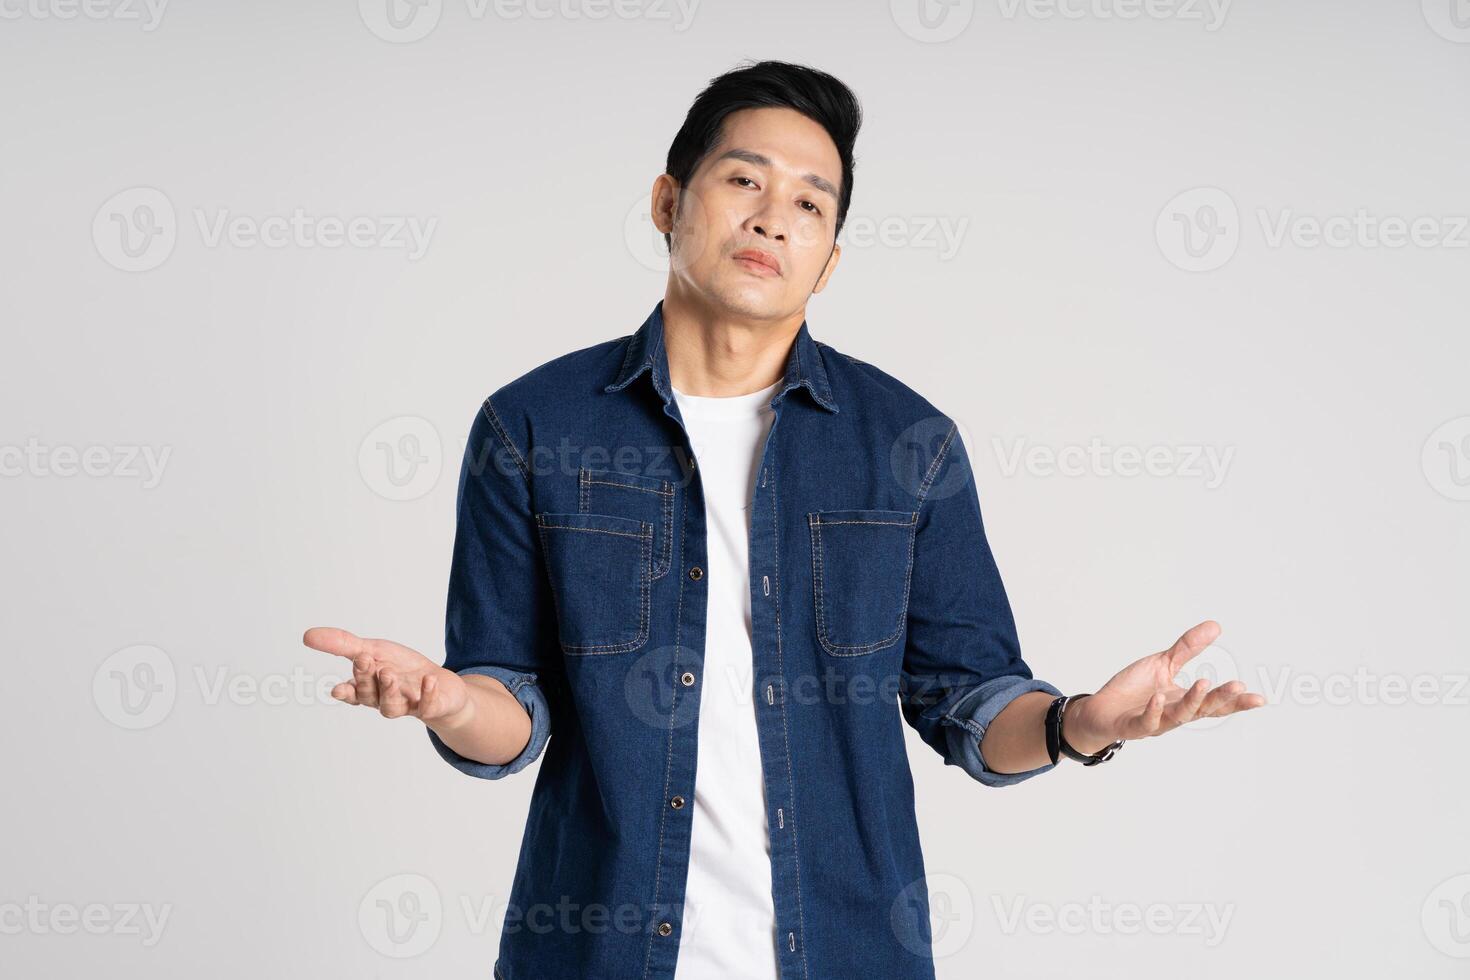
[(1173, 693), (1146, 722), (1241, 702), (428, 688), (366, 681), (330, 639), (345, 692), (1187, 707), (1191, 642), (1219, 697), (391, 702), (413, 693)]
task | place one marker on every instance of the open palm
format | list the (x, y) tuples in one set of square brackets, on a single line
[(395, 679), (1143, 699)]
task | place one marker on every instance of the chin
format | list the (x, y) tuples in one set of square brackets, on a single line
[(754, 307), (749, 299)]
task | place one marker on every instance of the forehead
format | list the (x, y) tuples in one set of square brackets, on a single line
[(789, 139)]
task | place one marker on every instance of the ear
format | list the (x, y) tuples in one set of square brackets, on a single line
[(662, 202), (830, 268)]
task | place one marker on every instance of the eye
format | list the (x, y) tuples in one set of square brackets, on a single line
[(742, 178), (814, 210)]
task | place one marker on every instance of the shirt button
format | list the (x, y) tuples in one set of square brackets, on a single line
[(677, 803), (687, 679), (696, 573), (664, 928)]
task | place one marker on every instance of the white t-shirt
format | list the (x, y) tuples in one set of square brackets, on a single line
[(729, 930)]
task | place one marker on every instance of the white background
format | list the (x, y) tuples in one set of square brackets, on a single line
[(1327, 830)]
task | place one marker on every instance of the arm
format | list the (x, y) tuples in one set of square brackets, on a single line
[(965, 687), (475, 715), (499, 614), (485, 710), (1016, 740), (963, 674), (493, 728)]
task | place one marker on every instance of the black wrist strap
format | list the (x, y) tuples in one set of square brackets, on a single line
[(1056, 739)]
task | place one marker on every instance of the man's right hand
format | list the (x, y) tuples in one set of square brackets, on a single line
[(391, 677)]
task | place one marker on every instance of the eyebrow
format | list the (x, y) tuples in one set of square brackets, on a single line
[(761, 160)]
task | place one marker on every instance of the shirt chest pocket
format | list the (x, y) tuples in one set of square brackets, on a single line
[(861, 562), (602, 560), (644, 498), (598, 568)]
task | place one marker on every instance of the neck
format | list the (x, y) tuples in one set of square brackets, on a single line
[(716, 354)]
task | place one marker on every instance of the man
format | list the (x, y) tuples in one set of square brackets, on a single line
[(706, 568)]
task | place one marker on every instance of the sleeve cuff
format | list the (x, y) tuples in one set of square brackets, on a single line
[(526, 691), (972, 714)]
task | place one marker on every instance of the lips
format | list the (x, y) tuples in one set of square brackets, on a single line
[(756, 257)]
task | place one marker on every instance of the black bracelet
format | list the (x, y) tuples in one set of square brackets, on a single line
[(1053, 729), (1056, 739)]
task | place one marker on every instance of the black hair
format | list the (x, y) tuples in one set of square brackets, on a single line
[(815, 94)]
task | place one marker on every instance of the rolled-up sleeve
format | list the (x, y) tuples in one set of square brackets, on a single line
[(498, 611), (962, 659)]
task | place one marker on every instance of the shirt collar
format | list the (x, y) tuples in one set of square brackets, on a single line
[(646, 352)]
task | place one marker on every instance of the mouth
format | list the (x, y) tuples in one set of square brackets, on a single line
[(758, 262)]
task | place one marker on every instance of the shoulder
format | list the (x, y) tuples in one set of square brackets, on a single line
[(566, 383), (917, 437), (874, 392)]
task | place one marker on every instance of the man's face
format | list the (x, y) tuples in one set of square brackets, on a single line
[(769, 187)]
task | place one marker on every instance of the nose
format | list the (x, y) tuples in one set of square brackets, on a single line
[(766, 222)]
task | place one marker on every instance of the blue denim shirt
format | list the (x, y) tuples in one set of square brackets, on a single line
[(578, 581)]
